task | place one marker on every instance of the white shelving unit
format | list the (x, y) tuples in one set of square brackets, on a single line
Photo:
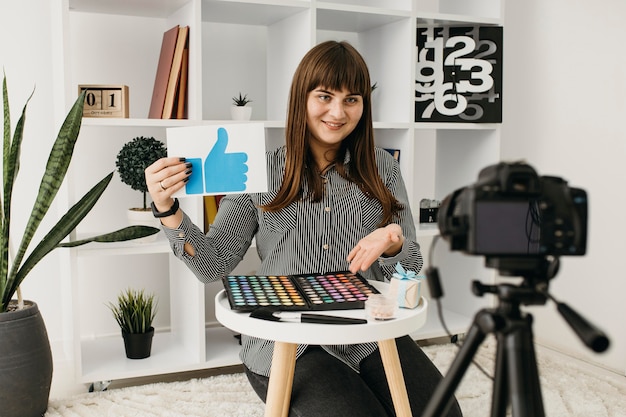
[(251, 47)]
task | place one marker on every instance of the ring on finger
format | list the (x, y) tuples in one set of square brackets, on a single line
[(162, 187)]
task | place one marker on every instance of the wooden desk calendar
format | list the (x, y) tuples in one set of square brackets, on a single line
[(105, 100)]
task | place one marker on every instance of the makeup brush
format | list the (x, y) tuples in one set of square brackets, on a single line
[(273, 314)]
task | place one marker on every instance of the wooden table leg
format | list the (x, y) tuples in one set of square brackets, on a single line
[(395, 378), (281, 380)]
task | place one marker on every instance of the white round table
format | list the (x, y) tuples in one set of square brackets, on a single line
[(288, 335)]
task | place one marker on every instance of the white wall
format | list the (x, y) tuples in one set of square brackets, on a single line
[(564, 113), (25, 56)]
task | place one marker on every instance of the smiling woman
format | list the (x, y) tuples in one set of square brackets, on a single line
[(335, 202)]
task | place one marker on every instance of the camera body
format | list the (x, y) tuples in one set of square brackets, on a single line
[(512, 212)]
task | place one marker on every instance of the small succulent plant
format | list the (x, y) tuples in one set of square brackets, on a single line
[(241, 100)]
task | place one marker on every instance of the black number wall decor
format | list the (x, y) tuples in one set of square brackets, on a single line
[(459, 74)]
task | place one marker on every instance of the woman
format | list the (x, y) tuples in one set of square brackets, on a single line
[(335, 202)]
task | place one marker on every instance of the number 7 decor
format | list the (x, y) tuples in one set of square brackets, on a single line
[(459, 74), (105, 100)]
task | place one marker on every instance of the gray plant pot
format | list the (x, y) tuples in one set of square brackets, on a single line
[(25, 363)]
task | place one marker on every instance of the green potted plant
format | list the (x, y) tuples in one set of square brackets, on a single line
[(134, 313), (240, 110), (25, 380), (132, 160)]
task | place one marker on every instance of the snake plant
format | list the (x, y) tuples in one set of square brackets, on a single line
[(13, 267)]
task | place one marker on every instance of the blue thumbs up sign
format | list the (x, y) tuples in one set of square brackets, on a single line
[(224, 172)]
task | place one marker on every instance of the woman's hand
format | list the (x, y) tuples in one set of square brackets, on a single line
[(387, 240), (164, 177)]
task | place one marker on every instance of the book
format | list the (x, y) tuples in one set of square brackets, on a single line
[(210, 211), (211, 205), (175, 71), (394, 152), (181, 96), (164, 66)]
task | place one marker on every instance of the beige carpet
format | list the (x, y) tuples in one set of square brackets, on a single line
[(569, 390)]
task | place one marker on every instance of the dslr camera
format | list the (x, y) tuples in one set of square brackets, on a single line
[(511, 212)]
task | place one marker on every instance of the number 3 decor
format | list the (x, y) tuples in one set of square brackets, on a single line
[(105, 100), (459, 74)]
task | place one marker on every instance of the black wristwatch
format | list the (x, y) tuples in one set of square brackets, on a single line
[(171, 211)]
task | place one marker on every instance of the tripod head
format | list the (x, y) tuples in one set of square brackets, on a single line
[(533, 290)]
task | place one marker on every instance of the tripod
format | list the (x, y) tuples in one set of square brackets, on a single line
[(516, 378)]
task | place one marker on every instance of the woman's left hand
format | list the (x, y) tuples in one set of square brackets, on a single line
[(387, 240)]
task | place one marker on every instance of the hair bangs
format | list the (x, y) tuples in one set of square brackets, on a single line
[(341, 69)]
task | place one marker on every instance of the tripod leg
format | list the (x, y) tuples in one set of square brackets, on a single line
[(523, 375), (500, 398), (440, 401), (535, 371)]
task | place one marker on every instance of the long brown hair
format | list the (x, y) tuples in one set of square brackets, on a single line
[(336, 66)]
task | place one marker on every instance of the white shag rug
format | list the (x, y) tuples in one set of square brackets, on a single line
[(569, 390)]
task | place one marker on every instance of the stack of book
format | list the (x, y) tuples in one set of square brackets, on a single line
[(169, 97)]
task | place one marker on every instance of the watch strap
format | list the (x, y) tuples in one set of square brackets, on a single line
[(167, 213)]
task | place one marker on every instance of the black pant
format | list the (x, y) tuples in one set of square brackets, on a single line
[(324, 386)]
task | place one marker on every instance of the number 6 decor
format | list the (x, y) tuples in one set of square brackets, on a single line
[(105, 100), (458, 77)]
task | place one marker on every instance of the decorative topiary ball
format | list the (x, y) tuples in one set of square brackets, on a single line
[(133, 159)]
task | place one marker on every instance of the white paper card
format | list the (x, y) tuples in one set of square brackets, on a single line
[(226, 159)]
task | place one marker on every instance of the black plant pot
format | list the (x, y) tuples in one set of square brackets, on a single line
[(25, 363), (138, 345)]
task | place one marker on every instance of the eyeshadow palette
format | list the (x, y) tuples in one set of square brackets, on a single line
[(329, 291)]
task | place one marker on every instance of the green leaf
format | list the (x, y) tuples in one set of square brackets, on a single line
[(11, 159), (68, 222), (127, 233), (56, 168)]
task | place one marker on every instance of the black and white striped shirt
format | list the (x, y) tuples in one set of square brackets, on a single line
[(305, 237)]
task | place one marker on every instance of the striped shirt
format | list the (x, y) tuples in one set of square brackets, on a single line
[(304, 237)]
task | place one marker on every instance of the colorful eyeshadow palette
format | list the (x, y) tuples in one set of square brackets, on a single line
[(330, 291)]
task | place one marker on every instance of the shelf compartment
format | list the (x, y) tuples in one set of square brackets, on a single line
[(258, 59), (355, 19), (395, 5), (445, 19), (222, 347), (250, 13), (180, 307), (153, 8), (460, 155), (104, 358)]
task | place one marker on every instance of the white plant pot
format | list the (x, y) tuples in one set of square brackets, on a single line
[(141, 217), (241, 112)]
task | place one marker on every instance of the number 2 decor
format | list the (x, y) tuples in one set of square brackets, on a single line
[(459, 74)]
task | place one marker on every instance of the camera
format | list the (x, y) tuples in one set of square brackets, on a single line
[(512, 212)]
